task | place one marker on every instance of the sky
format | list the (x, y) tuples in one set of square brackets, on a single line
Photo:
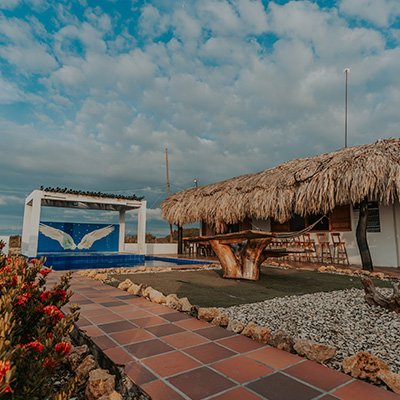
[(91, 92)]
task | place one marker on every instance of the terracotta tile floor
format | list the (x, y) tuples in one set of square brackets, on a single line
[(173, 356)]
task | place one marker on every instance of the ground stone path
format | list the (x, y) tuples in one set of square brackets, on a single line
[(173, 356)]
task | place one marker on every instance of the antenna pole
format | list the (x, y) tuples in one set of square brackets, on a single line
[(346, 72), (168, 190)]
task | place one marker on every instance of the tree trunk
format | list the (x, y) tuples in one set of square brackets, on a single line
[(361, 235), (374, 298)]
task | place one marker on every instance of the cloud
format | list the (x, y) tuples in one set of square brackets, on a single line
[(381, 13), (10, 199), (24, 50), (231, 87)]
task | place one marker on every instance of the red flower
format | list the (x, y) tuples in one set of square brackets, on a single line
[(8, 389), (49, 363), (4, 368), (35, 346), (15, 280), (45, 271), (23, 299), (61, 293), (45, 296), (62, 348), (54, 312)]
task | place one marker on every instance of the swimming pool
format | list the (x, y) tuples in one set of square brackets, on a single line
[(77, 261)]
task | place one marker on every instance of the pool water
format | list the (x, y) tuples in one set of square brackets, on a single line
[(76, 261)]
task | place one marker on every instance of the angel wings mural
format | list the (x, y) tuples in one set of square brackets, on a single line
[(67, 242)]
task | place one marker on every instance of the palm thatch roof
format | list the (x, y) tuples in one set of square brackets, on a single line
[(303, 186)]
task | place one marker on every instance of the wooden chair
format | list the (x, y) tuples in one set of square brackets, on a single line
[(309, 247), (324, 248), (189, 248), (339, 249)]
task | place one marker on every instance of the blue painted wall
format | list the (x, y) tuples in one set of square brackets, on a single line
[(70, 237)]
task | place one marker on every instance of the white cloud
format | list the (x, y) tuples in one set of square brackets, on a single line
[(24, 51), (381, 13), (9, 4), (10, 200)]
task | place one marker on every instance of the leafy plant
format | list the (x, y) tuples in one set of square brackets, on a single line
[(33, 330)]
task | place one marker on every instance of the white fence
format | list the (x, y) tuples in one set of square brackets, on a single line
[(153, 248)]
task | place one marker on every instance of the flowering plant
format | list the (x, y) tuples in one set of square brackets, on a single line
[(33, 329), (2, 245)]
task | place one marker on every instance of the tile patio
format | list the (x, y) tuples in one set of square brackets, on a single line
[(173, 356)]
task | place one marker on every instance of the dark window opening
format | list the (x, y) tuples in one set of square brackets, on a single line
[(373, 221)]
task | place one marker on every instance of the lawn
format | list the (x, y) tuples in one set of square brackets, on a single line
[(208, 288)]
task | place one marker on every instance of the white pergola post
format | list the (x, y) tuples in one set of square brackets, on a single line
[(141, 228), (121, 244), (30, 228)]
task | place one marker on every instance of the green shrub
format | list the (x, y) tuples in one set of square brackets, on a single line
[(33, 330)]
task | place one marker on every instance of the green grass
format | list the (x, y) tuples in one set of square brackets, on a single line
[(209, 289)]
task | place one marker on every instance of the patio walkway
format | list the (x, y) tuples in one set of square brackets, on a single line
[(173, 356)]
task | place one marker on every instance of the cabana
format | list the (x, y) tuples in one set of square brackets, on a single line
[(352, 185), (79, 237)]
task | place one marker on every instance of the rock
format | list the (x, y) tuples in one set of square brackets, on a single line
[(378, 275), (100, 277), (221, 320), (314, 351), (322, 268), (235, 326), (87, 365), (135, 289), (156, 297), (208, 313), (112, 396), (261, 334), (153, 295), (100, 383), (185, 303), (364, 365), (282, 341), (125, 284), (172, 301), (76, 355), (391, 379)]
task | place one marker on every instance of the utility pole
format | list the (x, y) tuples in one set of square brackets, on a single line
[(346, 73), (168, 190)]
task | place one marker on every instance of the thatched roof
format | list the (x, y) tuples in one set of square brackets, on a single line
[(303, 186)]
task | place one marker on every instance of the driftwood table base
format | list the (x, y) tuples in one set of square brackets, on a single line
[(242, 253)]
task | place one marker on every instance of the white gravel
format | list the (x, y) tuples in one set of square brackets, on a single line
[(341, 319)]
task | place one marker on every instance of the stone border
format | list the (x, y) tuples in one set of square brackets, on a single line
[(332, 269), (99, 373)]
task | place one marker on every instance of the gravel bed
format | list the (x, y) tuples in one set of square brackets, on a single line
[(340, 318)]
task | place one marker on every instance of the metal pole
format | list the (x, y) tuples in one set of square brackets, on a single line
[(346, 72)]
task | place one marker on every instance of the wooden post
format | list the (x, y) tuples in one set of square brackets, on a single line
[(171, 232), (180, 240)]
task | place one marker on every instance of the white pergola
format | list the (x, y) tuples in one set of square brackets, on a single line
[(39, 198)]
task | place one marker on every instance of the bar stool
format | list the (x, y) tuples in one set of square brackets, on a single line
[(324, 247), (339, 249), (309, 247)]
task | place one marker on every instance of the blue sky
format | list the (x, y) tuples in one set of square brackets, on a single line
[(91, 92)]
